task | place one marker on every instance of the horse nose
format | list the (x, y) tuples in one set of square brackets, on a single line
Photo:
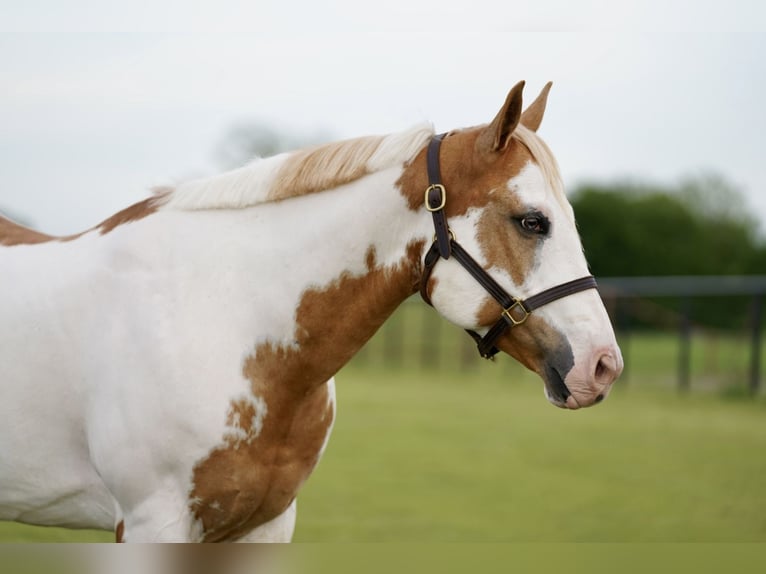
[(592, 382)]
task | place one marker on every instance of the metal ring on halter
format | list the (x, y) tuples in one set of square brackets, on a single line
[(451, 235)]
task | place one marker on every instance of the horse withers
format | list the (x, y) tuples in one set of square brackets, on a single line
[(169, 373)]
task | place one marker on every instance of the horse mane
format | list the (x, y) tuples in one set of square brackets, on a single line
[(328, 166), (298, 173)]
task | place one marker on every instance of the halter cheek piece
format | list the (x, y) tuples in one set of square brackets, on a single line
[(515, 310)]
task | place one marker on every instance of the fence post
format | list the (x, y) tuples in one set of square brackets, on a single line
[(755, 356), (684, 352)]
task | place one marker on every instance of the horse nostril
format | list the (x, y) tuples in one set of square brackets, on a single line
[(599, 398), (606, 370), (600, 368)]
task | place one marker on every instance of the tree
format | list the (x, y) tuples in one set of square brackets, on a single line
[(701, 227)]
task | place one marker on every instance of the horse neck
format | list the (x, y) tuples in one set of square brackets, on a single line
[(356, 255)]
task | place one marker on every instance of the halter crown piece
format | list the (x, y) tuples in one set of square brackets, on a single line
[(515, 310)]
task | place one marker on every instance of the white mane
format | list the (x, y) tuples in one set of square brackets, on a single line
[(325, 167), (298, 173)]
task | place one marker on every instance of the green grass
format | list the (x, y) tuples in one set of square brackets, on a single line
[(416, 458), (14, 532), (473, 452)]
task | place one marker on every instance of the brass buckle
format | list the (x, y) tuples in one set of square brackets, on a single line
[(517, 303), (443, 199)]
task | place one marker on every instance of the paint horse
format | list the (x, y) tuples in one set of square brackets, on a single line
[(169, 373)]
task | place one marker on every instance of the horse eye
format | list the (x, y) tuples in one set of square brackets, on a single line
[(535, 224)]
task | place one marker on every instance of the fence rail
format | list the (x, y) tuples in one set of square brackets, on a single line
[(683, 286), (686, 288)]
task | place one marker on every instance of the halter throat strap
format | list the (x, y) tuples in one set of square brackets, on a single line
[(515, 310)]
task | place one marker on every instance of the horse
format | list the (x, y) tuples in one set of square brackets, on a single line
[(168, 374)]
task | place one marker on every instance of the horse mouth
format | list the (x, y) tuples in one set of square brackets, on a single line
[(570, 403), (556, 390)]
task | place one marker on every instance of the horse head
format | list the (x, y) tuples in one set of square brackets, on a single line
[(508, 264)]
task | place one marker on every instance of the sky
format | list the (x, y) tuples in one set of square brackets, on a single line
[(101, 100)]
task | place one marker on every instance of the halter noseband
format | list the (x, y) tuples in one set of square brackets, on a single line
[(515, 310)]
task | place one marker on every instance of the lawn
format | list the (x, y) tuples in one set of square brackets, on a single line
[(481, 456), (477, 458)]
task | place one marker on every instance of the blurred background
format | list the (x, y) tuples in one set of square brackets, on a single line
[(656, 118)]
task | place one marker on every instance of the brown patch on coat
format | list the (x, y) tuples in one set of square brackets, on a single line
[(529, 343), (254, 475), (119, 533), (469, 171), (14, 234), (512, 251)]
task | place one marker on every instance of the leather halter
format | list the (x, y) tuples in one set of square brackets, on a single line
[(515, 310)]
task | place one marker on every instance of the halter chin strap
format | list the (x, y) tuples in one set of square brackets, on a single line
[(515, 310)]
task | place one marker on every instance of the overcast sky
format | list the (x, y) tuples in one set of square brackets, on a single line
[(102, 100)]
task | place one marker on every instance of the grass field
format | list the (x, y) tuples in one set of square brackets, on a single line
[(481, 456), (443, 459)]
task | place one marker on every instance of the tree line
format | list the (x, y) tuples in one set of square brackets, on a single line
[(700, 226)]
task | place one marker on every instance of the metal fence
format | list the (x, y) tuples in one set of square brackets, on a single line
[(416, 337), (622, 295)]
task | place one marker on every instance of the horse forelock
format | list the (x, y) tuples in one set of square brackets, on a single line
[(299, 173), (547, 163)]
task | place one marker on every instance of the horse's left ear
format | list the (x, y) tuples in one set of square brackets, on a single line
[(497, 135), (533, 115)]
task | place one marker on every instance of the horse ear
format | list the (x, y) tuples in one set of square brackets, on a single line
[(533, 115), (497, 135)]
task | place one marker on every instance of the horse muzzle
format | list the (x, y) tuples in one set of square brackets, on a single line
[(586, 384)]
